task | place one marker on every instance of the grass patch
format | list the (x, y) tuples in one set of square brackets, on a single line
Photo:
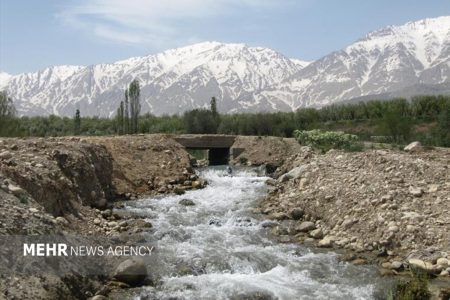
[(414, 288)]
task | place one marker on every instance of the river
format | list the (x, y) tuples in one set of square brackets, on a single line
[(218, 249)]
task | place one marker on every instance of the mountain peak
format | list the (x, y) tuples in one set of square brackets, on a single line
[(4, 79), (243, 78)]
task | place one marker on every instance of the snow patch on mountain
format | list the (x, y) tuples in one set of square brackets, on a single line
[(243, 78)]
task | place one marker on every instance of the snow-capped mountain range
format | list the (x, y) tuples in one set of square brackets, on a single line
[(243, 78)]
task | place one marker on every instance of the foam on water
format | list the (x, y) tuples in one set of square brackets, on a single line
[(218, 249)]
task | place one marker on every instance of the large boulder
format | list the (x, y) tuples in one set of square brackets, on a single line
[(131, 271), (414, 147)]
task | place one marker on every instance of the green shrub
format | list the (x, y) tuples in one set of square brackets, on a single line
[(243, 160), (414, 288), (326, 140)]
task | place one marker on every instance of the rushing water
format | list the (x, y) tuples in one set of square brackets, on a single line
[(218, 249)]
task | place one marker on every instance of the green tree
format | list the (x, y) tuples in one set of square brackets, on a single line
[(134, 93), (396, 126), (442, 130), (8, 122), (120, 119), (214, 107), (126, 119), (77, 123)]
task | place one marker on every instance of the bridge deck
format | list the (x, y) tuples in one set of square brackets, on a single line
[(205, 141)]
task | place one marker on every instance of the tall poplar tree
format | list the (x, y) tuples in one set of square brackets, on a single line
[(126, 119), (120, 119), (134, 93), (77, 123)]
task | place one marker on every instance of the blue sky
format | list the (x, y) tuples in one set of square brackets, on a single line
[(36, 34)]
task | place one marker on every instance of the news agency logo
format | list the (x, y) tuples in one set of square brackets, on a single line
[(62, 249)]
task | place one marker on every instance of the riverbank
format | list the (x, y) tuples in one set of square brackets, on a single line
[(67, 187), (384, 207)]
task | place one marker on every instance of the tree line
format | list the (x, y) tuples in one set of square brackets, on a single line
[(423, 118)]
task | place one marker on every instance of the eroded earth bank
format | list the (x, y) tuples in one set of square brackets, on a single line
[(384, 207)]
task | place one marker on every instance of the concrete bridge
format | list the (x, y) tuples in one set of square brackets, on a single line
[(218, 146)]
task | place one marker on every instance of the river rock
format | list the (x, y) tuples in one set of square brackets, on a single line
[(326, 242), (268, 224), (62, 221), (297, 213), (443, 262), (178, 190), (139, 223), (131, 271), (316, 233), (397, 265), (295, 173), (99, 297), (414, 147), (107, 212), (5, 155), (271, 182), (16, 190), (359, 262), (278, 216), (415, 191), (305, 227), (186, 202), (433, 188), (422, 265), (196, 184)]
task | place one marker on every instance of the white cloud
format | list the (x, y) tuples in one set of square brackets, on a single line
[(158, 23)]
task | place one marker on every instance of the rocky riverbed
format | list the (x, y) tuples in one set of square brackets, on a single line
[(387, 207), (383, 207)]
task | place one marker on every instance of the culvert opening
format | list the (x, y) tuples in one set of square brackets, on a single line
[(218, 156), (214, 156)]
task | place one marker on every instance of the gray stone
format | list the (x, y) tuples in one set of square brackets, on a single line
[(5, 155), (415, 191), (196, 184), (179, 190), (297, 213), (326, 242), (99, 297), (295, 173), (414, 147), (305, 226), (268, 224), (186, 202), (16, 190), (422, 265), (397, 265), (113, 224), (316, 233), (62, 221), (131, 271), (443, 262)]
